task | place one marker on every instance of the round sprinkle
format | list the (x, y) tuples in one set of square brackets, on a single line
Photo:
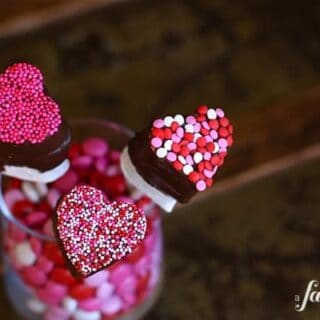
[(171, 156), (207, 156), (201, 185), (211, 114), (214, 134), (189, 159), (182, 159), (168, 121), (191, 120), (202, 109), (197, 127), (187, 169), (197, 157), (180, 132), (189, 128), (197, 136), (180, 119), (208, 173), (192, 146), (216, 147), (223, 143), (175, 138), (161, 153), (220, 112), (168, 144), (158, 123), (156, 142)]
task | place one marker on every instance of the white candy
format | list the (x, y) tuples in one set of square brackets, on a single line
[(187, 169), (86, 315), (30, 191), (161, 153), (197, 157), (42, 188), (180, 119), (168, 144), (216, 147), (168, 121), (70, 304), (182, 159), (196, 137), (24, 254), (36, 306), (211, 114), (31, 174), (189, 128)]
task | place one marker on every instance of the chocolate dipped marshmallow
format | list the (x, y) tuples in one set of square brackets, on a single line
[(177, 156), (34, 139)]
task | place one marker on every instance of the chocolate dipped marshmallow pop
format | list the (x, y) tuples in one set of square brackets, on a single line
[(34, 138), (177, 156)]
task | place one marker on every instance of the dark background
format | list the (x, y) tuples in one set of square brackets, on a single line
[(258, 230)]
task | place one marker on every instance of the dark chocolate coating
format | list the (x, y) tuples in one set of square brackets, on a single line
[(159, 172), (41, 156)]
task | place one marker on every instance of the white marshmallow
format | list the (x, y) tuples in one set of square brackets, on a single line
[(31, 174), (165, 201)]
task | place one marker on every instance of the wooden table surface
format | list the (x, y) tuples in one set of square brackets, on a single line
[(258, 236)]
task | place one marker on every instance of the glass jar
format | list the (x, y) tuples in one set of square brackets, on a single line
[(37, 281)]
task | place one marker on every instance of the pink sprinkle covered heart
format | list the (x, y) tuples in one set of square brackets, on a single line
[(194, 145), (27, 114), (94, 234)]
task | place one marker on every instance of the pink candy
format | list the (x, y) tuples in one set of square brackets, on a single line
[(65, 183), (52, 293), (82, 162), (34, 276), (95, 147)]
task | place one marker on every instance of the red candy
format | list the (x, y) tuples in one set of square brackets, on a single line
[(202, 109), (81, 292), (63, 275), (156, 132)]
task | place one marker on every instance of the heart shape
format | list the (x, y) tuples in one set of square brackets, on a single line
[(27, 114), (195, 145), (94, 234)]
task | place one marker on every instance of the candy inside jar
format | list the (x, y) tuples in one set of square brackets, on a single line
[(38, 282)]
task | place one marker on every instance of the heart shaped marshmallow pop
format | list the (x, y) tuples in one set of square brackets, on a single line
[(94, 234), (178, 156), (30, 121)]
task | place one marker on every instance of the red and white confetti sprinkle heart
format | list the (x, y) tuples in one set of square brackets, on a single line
[(195, 145), (94, 234), (27, 114)]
